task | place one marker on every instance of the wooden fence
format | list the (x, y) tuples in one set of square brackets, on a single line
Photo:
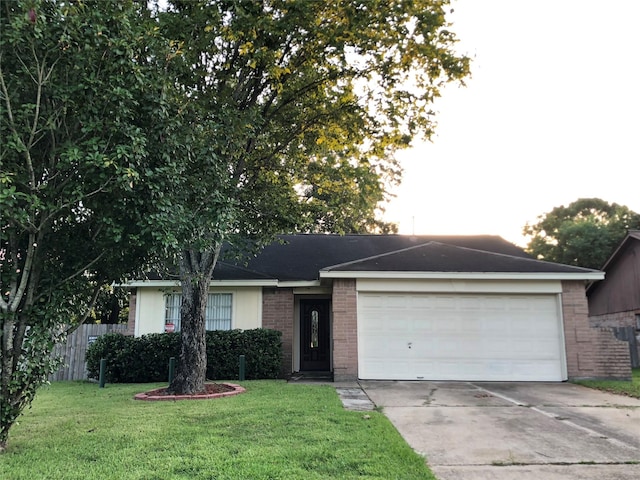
[(628, 334), (74, 350)]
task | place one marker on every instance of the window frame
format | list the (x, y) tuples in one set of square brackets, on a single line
[(215, 301)]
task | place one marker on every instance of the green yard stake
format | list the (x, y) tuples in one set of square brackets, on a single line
[(172, 369), (241, 376), (103, 368)]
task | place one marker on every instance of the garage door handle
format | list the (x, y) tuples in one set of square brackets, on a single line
[(409, 344)]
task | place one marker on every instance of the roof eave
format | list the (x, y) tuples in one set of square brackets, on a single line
[(465, 275), (623, 244), (299, 283), (214, 283)]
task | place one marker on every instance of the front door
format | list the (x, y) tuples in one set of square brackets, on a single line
[(315, 353)]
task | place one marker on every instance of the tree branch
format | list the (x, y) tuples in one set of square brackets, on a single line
[(26, 271), (68, 204), (42, 80), (80, 271), (92, 303)]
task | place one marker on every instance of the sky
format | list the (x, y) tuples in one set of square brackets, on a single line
[(550, 114)]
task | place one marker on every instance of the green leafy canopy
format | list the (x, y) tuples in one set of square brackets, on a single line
[(284, 100), (290, 114), (130, 133), (584, 233), (80, 103)]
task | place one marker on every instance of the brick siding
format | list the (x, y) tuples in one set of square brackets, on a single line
[(591, 352), (618, 319), (278, 314), (345, 330)]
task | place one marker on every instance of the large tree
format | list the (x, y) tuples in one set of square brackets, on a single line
[(259, 117), (584, 233), (80, 104), (292, 111)]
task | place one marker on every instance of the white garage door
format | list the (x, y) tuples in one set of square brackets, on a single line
[(459, 337)]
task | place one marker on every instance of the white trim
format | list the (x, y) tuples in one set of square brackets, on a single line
[(299, 284), (591, 276), (563, 340), (466, 275), (212, 284), (243, 283), (150, 283), (458, 286)]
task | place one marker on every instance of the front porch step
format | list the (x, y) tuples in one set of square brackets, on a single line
[(311, 377)]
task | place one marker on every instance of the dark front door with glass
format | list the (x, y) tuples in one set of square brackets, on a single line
[(315, 336)]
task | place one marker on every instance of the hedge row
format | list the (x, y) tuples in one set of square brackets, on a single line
[(146, 359)]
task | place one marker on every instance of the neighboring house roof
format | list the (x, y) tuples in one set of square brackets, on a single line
[(310, 257), (616, 262), (632, 235)]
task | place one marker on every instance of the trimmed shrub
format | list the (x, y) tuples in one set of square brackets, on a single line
[(262, 349), (115, 348), (146, 359)]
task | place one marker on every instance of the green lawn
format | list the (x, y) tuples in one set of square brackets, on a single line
[(632, 388), (275, 430)]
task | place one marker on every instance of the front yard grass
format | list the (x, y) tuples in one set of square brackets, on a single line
[(631, 389), (275, 430)]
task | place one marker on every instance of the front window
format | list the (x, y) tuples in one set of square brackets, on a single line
[(217, 314)]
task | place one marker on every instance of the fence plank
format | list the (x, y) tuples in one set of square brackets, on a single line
[(74, 350)]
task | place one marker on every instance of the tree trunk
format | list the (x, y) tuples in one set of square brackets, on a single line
[(196, 269), (8, 416)]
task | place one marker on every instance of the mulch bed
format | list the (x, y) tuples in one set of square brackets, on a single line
[(213, 390)]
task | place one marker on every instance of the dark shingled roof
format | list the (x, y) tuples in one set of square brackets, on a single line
[(301, 257), (223, 271), (438, 257)]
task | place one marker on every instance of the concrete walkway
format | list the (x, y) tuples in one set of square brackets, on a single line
[(354, 398), (351, 394), (506, 431)]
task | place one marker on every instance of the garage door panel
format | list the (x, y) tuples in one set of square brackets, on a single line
[(459, 337), (543, 368), (422, 328), (377, 347), (397, 368), (491, 326)]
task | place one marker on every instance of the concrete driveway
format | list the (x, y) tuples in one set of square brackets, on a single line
[(503, 431)]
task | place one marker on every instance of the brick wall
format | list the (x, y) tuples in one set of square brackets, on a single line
[(278, 314), (618, 319), (591, 352), (345, 330)]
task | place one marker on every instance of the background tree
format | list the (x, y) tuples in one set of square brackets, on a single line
[(291, 112), (111, 306), (584, 233), (80, 103)]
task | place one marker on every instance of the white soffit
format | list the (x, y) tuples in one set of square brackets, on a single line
[(458, 285), (214, 283)]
